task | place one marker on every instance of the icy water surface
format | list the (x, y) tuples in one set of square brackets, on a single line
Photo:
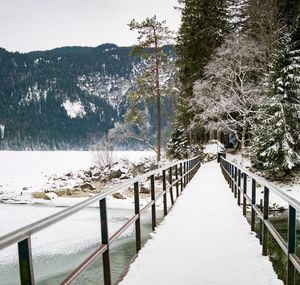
[(58, 250)]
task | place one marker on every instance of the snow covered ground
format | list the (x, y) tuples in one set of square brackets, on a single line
[(75, 234), (204, 240), (24, 172), (291, 188)]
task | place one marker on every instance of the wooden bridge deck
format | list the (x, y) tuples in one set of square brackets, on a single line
[(204, 240)]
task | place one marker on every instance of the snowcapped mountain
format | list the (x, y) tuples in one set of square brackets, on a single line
[(63, 98)]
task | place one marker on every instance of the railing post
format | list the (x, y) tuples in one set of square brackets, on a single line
[(235, 180), (137, 212), (244, 192), (260, 223), (105, 240), (231, 177), (153, 199), (266, 217), (165, 193), (170, 186), (25, 262), (177, 183), (239, 188), (253, 202), (181, 180), (291, 245), (185, 178)]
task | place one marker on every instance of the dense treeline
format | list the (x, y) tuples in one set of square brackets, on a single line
[(239, 65)]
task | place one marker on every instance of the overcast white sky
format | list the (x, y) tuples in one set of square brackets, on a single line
[(27, 25)]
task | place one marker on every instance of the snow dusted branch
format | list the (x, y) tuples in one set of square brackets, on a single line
[(232, 89)]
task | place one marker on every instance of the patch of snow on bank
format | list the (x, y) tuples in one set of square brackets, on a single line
[(22, 172)]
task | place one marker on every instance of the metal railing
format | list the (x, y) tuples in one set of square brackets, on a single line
[(183, 171), (235, 175)]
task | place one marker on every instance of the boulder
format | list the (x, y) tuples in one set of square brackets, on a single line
[(119, 195), (138, 168), (88, 173), (50, 196), (53, 177), (145, 189), (115, 174), (87, 186)]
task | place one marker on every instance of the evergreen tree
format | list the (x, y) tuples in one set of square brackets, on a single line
[(264, 24), (277, 149), (203, 27), (290, 13), (152, 35)]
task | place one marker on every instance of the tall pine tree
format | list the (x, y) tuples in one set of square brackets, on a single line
[(277, 149), (203, 27)]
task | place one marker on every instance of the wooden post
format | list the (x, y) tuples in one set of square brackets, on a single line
[(235, 181), (177, 183), (105, 240), (170, 186), (253, 202), (266, 217), (291, 245), (181, 180), (245, 192), (260, 222), (25, 262), (239, 188), (165, 194), (153, 199), (137, 212)]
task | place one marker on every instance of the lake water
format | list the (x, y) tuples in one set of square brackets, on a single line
[(277, 256), (58, 254)]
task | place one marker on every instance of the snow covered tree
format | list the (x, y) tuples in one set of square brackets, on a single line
[(152, 35), (229, 95), (178, 143), (237, 16), (277, 138)]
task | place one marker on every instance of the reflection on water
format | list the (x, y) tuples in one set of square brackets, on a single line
[(277, 256), (51, 270), (122, 254)]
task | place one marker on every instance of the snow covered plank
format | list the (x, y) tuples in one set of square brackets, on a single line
[(204, 240)]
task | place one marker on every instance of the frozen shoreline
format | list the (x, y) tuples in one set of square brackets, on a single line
[(22, 173)]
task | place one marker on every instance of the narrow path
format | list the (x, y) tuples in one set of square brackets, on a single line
[(204, 240)]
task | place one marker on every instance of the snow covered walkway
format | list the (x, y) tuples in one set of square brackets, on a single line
[(204, 240)]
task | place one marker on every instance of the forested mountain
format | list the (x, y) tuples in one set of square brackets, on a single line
[(66, 97)]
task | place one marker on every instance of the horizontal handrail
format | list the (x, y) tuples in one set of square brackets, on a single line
[(233, 174), (35, 227), (183, 174), (286, 197)]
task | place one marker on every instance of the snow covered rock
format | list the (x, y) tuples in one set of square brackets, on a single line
[(87, 186), (50, 196)]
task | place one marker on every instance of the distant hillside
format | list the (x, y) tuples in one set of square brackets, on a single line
[(63, 98)]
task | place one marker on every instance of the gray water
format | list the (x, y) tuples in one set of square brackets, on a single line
[(52, 269), (276, 255)]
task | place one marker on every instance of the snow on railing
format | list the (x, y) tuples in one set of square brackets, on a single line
[(234, 175), (183, 171)]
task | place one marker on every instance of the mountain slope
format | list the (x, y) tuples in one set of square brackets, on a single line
[(63, 98)]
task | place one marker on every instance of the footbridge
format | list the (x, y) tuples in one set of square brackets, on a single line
[(203, 239)]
